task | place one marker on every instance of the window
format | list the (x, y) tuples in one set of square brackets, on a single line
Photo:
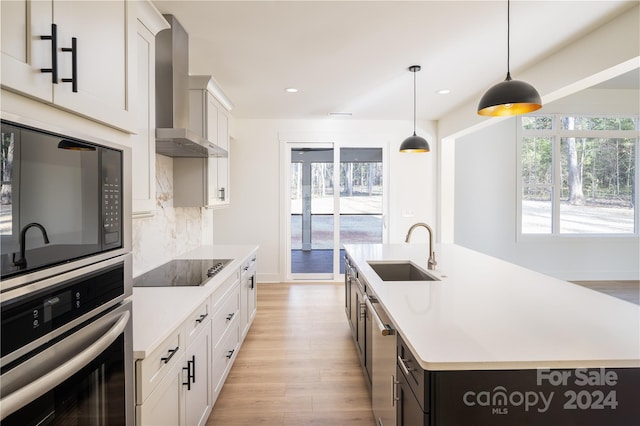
[(578, 174)]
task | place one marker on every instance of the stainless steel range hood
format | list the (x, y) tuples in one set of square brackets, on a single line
[(173, 135)]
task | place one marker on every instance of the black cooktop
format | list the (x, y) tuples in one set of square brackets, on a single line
[(181, 272)]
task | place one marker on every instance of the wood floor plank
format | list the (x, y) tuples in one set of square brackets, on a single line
[(298, 364)]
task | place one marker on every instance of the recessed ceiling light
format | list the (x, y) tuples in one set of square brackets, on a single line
[(341, 114), (291, 90), (443, 92)]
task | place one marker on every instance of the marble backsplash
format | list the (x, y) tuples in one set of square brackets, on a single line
[(171, 231)]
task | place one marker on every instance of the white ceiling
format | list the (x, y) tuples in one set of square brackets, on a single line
[(352, 56)]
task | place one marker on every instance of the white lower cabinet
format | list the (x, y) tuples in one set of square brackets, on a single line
[(165, 406), (197, 391), (179, 382), (174, 384), (225, 331), (249, 294)]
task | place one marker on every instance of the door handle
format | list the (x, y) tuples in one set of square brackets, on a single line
[(68, 367), (74, 64), (54, 53)]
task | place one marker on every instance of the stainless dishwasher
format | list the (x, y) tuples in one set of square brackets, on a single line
[(383, 365)]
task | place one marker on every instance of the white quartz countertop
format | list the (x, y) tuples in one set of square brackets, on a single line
[(487, 314), (158, 311)]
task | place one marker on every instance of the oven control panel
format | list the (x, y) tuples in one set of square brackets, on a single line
[(27, 319)]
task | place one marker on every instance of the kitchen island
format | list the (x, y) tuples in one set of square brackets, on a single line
[(486, 335)]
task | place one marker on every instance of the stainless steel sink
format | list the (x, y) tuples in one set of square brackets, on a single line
[(402, 270)]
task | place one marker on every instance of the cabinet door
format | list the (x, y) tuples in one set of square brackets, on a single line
[(105, 57), (244, 300), (360, 324), (165, 405), (252, 299), (408, 412), (353, 317), (24, 53), (211, 129), (143, 147), (198, 396), (223, 163), (212, 181)]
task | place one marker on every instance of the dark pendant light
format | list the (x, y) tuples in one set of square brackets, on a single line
[(510, 97), (414, 143)]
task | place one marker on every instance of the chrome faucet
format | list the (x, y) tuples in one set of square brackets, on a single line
[(431, 263), (22, 262)]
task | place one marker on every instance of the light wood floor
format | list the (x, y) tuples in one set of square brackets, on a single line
[(625, 290), (298, 364)]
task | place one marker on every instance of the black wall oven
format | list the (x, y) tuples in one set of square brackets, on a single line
[(62, 199), (67, 349)]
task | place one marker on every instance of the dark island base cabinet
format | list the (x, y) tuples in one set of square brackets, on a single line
[(542, 397), (359, 317)]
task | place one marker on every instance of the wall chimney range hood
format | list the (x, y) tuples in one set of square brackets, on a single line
[(173, 135)]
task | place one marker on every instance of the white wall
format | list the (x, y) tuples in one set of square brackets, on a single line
[(486, 203), (256, 214)]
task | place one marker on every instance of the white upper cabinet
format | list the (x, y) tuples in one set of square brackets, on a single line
[(143, 146), (87, 49), (205, 182), (24, 52)]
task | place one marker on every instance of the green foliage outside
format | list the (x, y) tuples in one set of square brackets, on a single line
[(605, 166)]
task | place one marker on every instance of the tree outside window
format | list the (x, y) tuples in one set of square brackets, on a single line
[(578, 174)]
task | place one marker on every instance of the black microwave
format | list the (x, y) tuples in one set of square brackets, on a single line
[(60, 199)]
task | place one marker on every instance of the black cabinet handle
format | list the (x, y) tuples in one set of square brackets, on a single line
[(230, 353), (193, 369), (253, 277), (188, 382), (202, 317), (74, 64), (230, 316), (171, 353), (191, 372), (54, 53)]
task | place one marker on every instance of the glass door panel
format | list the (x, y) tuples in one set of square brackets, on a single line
[(312, 219), (361, 214), (323, 218)]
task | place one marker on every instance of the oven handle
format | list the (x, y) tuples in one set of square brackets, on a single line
[(68, 368)]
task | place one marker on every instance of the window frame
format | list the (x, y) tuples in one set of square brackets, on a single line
[(556, 134)]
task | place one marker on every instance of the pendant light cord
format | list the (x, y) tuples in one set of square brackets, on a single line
[(414, 103), (508, 39)]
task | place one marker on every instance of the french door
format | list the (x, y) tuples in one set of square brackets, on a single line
[(336, 197)]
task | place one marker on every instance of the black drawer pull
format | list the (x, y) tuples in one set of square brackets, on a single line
[(202, 317), (54, 53), (230, 353), (171, 353), (74, 64), (230, 316)]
